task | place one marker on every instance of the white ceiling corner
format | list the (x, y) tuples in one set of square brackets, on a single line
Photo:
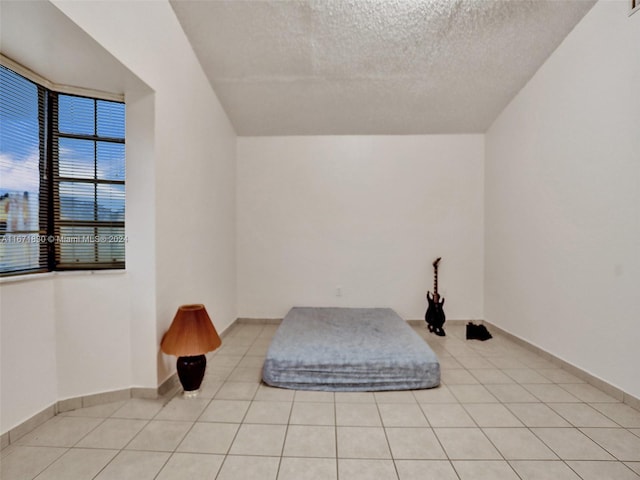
[(315, 67)]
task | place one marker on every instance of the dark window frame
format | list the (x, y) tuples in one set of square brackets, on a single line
[(95, 225)]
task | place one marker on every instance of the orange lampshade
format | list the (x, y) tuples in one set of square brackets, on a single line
[(191, 333)]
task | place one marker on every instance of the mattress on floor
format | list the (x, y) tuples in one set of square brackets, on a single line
[(349, 349)]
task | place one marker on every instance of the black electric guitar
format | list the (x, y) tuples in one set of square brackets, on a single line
[(435, 314)]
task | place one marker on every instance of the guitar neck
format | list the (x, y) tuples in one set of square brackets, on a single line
[(435, 282), (435, 279)]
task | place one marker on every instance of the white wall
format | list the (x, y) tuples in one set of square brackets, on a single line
[(92, 318), (366, 213), (81, 323), (141, 235), (28, 376), (194, 160), (62, 336), (563, 202), (180, 224)]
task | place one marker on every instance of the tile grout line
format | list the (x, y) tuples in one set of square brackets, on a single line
[(457, 351), (535, 436), (235, 436), (564, 461)]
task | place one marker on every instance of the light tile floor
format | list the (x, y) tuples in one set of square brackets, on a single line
[(501, 413)]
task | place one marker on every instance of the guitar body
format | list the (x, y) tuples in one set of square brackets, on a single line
[(434, 315)]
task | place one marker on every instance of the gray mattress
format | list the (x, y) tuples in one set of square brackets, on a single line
[(349, 349)]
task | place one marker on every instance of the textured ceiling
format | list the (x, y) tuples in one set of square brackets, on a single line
[(313, 67)]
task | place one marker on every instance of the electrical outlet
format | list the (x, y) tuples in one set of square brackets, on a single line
[(338, 291)]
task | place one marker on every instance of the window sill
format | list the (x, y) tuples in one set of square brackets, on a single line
[(31, 277)]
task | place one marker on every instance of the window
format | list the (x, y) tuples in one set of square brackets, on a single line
[(21, 163), (62, 179), (88, 182)]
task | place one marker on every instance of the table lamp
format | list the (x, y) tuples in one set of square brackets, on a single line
[(189, 337)]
